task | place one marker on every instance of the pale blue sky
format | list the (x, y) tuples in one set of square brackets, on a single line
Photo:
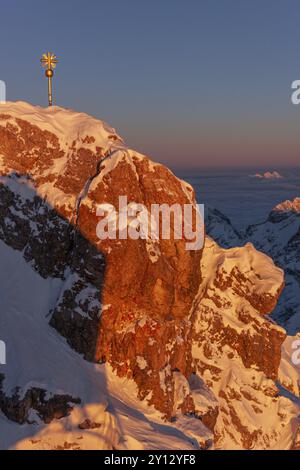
[(191, 83)]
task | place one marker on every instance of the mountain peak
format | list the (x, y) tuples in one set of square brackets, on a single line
[(289, 206), (68, 125)]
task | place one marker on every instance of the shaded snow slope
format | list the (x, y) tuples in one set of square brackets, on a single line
[(38, 357)]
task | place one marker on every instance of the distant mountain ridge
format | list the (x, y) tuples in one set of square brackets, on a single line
[(279, 237), (268, 175)]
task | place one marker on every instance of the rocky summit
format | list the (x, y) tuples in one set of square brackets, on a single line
[(146, 343)]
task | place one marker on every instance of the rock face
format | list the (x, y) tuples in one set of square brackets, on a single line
[(122, 299), (149, 287), (188, 328)]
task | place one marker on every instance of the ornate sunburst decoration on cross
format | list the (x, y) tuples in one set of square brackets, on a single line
[(49, 62)]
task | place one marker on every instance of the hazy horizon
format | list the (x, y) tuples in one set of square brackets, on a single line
[(258, 167)]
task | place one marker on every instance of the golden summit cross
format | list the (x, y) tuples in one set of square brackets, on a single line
[(49, 62)]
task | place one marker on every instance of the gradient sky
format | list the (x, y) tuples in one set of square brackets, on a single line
[(192, 83)]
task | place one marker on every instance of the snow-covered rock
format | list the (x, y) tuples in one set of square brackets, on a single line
[(237, 350), (279, 237), (151, 346), (116, 302), (288, 207)]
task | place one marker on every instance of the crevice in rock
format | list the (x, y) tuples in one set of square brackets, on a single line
[(83, 194)]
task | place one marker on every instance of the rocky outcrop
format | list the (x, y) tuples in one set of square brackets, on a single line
[(237, 349), (279, 237), (296, 441), (17, 408)]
